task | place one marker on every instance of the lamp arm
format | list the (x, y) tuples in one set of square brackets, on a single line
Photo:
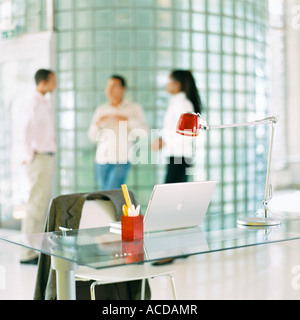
[(268, 120), (268, 188)]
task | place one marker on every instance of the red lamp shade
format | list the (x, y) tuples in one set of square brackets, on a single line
[(188, 125)]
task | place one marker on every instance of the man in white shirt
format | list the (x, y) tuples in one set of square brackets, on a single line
[(40, 148), (111, 125)]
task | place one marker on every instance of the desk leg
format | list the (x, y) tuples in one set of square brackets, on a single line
[(65, 278)]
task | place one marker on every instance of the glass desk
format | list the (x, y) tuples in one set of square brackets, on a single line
[(100, 248)]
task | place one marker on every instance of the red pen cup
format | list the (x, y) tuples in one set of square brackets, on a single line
[(132, 228)]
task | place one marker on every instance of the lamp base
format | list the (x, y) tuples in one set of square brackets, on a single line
[(258, 222)]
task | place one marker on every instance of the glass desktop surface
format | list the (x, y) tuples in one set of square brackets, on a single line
[(100, 248)]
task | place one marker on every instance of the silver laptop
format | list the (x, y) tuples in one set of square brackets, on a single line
[(179, 205)]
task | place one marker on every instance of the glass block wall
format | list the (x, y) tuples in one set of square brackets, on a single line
[(23, 16), (222, 41)]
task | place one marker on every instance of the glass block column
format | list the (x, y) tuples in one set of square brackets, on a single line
[(222, 41)]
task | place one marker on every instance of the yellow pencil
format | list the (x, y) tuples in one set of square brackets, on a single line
[(126, 196), (125, 210)]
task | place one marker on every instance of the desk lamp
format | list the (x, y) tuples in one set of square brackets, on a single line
[(190, 124)]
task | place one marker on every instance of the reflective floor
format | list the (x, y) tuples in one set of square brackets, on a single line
[(262, 272)]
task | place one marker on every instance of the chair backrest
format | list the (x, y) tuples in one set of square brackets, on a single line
[(97, 213)]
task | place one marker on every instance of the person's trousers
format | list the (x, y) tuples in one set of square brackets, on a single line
[(177, 170), (40, 174), (111, 176)]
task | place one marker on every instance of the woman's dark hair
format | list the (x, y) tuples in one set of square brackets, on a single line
[(122, 79), (41, 75), (188, 85)]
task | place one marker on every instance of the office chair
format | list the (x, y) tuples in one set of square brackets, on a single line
[(99, 213)]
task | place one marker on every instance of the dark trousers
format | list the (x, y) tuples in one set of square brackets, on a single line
[(176, 171)]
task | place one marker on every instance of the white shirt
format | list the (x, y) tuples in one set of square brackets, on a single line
[(177, 145), (39, 129), (115, 138)]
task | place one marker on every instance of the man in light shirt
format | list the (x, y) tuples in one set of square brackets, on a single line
[(110, 128), (40, 148)]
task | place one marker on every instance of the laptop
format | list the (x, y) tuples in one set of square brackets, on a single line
[(175, 206), (178, 205)]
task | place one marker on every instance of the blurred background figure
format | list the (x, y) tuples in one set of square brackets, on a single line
[(40, 148), (177, 149), (110, 127)]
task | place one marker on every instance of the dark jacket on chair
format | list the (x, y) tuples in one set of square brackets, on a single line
[(65, 211)]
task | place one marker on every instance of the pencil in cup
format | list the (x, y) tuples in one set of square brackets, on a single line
[(126, 196)]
